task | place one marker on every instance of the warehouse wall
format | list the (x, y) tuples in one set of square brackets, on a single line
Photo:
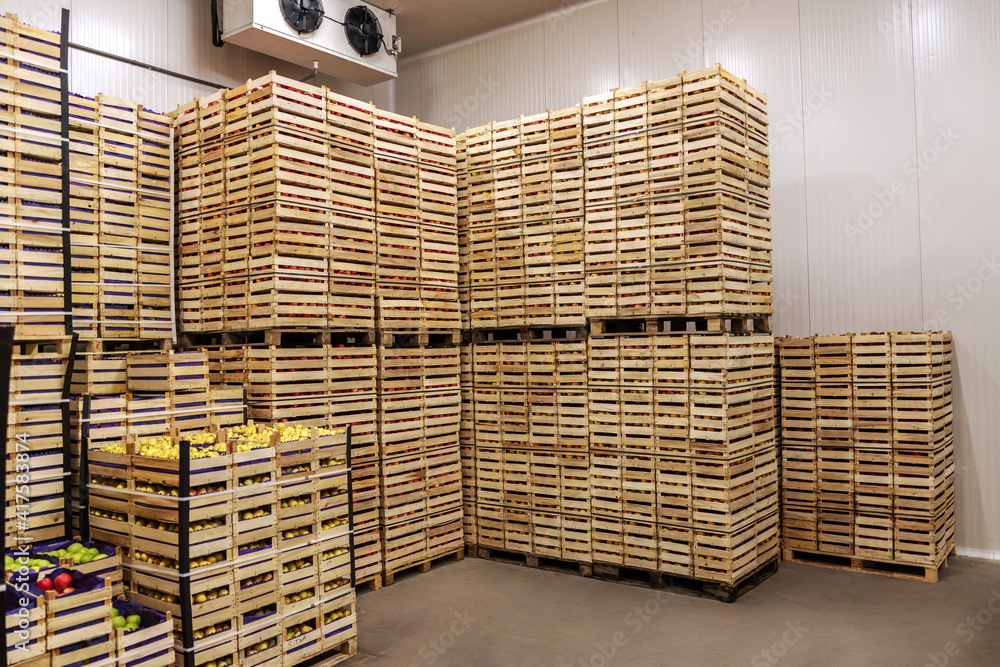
[(883, 158), (176, 35), (883, 144)]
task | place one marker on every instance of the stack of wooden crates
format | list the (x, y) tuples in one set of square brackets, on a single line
[(318, 242), (623, 410), (33, 289), (868, 449)]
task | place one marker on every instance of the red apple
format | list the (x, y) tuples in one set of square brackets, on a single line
[(45, 584), (63, 581)]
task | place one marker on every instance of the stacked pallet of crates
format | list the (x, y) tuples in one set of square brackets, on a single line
[(417, 226), (32, 290), (275, 209), (419, 323), (532, 448), (677, 203), (525, 189), (319, 384), (467, 444), (684, 476), (36, 490), (242, 535), (34, 249), (868, 449), (120, 220), (466, 435), (277, 233), (420, 458), (142, 396)]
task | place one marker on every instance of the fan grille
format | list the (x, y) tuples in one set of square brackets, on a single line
[(303, 15), (363, 30)]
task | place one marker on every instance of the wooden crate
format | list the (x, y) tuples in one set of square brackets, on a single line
[(80, 615), (26, 631), (167, 372)]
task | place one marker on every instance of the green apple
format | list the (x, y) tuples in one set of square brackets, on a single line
[(117, 622)]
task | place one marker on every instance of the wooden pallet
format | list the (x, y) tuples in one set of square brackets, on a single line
[(334, 656), (372, 583), (284, 337), (729, 324), (531, 560), (685, 586), (885, 568), (419, 338), (423, 566), (528, 334)]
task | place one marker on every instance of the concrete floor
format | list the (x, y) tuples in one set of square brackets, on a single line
[(478, 613)]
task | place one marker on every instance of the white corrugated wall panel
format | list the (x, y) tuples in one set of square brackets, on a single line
[(45, 14), (863, 275), (514, 64), (857, 90), (581, 54), (957, 57), (457, 87), (659, 39), (759, 41)]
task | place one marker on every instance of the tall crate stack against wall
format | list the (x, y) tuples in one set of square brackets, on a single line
[(417, 228), (275, 209), (120, 219), (677, 192), (32, 289), (648, 445), (868, 449)]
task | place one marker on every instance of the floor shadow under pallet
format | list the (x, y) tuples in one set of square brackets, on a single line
[(423, 566), (540, 562), (928, 573), (635, 576), (685, 585), (372, 583)]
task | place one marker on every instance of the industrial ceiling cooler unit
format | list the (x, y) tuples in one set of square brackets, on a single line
[(348, 39)]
